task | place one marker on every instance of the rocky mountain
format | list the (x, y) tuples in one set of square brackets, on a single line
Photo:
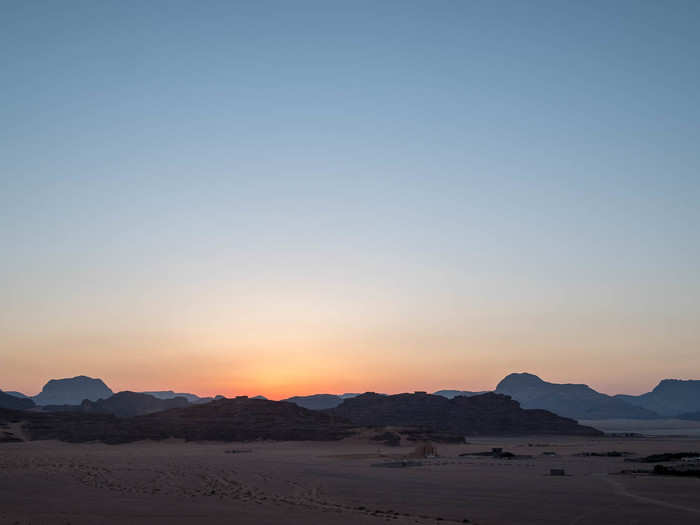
[(569, 400), (449, 394), (15, 403), (669, 398), (129, 404), (484, 414), (72, 391), (239, 419), (316, 401)]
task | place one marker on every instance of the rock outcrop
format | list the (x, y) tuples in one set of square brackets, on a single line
[(576, 401), (485, 414), (239, 419)]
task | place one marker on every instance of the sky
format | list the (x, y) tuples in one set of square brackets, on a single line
[(287, 198)]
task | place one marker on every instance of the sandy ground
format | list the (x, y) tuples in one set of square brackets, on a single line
[(302, 482)]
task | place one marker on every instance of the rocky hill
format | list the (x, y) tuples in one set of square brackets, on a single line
[(239, 419), (242, 419), (576, 401), (12, 402), (669, 398), (72, 391), (485, 414)]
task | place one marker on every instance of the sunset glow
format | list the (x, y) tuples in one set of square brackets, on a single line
[(388, 198)]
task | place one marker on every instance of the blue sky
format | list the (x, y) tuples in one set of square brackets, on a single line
[(279, 190)]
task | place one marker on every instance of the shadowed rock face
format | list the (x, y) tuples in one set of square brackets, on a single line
[(569, 400), (669, 398), (72, 391), (15, 403), (239, 419), (485, 414)]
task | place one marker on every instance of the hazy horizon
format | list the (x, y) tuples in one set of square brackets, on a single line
[(233, 393), (295, 198)]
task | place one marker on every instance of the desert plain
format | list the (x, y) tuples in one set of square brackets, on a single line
[(342, 482)]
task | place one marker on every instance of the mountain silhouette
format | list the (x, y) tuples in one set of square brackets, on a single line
[(576, 401), (316, 401), (669, 398), (16, 394), (12, 402), (72, 391), (320, 401)]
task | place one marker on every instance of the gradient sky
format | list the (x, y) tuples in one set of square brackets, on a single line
[(295, 197)]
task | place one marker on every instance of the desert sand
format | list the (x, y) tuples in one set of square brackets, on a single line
[(173, 482)]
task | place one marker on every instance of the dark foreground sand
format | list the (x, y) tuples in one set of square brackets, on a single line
[(198, 483)]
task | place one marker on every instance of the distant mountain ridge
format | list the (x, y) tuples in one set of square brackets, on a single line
[(130, 404), (170, 394), (576, 401), (12, 402), (669, 398), (320, 401), (316, 401), (17, 394), (449, 394)]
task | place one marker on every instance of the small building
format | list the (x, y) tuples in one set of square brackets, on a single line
[(425, 450)]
